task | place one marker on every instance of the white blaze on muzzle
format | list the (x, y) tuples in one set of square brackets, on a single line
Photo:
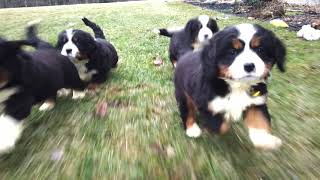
[(247, 64), (69, 48), (204, 33)]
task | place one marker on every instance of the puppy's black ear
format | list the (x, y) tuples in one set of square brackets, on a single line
[(208, 58), (192, 27), (61, 40), (213, 26), (280, 53)]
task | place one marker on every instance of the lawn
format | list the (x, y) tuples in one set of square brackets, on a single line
[(142, 136)]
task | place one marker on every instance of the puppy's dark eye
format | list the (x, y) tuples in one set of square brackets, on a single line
[(75, 39), (259, 49), (233, 52)]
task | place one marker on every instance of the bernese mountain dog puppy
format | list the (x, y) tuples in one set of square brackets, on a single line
[(93, 57), (193, 36), (28, 78), (226, 81)]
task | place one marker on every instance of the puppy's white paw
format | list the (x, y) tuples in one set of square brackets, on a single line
[(64, 92), (174, 64), (47, 106), (10, 131), (263, 139), (193, 131), (78, 94)]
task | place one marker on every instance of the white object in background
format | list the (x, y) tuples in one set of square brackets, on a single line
[(309, 33)]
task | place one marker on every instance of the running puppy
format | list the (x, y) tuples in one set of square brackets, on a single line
[(93, 57), (193, 36), (226, 81), (28, 78)]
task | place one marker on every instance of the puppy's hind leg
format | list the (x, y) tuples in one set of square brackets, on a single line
[(78, 94), (215, 122), (79, 89), (48, 104), (77, 85), (64, 92), (187, 113)]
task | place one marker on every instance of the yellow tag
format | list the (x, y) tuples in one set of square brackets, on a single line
[(257, 93)]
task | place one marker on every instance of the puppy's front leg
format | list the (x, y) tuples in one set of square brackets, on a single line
[(78, 94), (48, 104), (257, 119)]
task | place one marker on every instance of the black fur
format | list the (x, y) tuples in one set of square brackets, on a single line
[(165, 32), (38, 75), (197, 73), (98, 33)]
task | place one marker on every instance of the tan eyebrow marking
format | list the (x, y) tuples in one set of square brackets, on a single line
[(236, 43), (255, 42)]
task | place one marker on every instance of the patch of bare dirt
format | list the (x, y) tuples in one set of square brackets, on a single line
[(294, 15)]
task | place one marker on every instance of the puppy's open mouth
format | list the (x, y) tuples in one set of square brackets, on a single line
[(248, 78)]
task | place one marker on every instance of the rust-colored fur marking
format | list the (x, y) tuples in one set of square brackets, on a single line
[(255, 42), (174, 63), (267, 70), (191, 112), (224, 128), (254, 118), (224, 71), (236, 43)]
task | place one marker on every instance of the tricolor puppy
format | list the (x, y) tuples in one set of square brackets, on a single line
[(29, 78), (193, 36), (93, 57), (226, 81)]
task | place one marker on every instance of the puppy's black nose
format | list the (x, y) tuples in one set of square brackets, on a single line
[(249, 67), (206, 36), (68, 51)]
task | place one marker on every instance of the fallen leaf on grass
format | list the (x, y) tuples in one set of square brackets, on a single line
[(170, 151), (166, 151), (57, 155), (101, 109), (158, 61)]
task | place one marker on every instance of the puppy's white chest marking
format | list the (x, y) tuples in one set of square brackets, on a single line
[(233, 104), (83, 72)]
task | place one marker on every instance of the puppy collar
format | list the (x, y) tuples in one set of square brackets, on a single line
[(254, 93), (256, 90)]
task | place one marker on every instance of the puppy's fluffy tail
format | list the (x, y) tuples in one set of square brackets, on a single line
[(163, 32), (98, 33), (34, 40)]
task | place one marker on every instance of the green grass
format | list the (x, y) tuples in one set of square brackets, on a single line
[(143, 120)]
